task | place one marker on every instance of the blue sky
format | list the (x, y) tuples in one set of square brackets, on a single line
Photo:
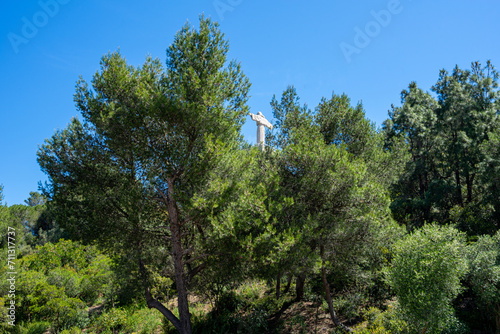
[(370, 50)]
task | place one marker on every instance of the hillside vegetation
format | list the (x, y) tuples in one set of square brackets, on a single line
[(158, 217)]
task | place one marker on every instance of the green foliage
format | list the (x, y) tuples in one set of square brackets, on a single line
[(289, 115), (162, 287), (66, 278), (56, 282), (450, 140), (425, 274), (35, 199), (341, 124), (72, 330), (38, 300), (246, 310), (336, 200), (112, 321), (143, 321), (31, 223), (98, 279), (490, 176), (350, 305), (157, 172), (21, 219), (127, 174), (64, 312), (484, 277), (331, 173), (234, 205), (254, 321), (252, 291), (36, 327), (382, 322)]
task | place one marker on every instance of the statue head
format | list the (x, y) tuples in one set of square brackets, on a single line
[(260, 114)]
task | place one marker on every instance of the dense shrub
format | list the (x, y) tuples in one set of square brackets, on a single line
[(57, 282), (425, 275), (484, 279), (382, 322)]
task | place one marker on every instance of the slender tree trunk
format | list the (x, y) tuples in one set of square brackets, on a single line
[(288, 283), (153, 303), (177, 254), (425, 187), (299, 286), (457, 176), (469, 180), (459, 187), (328, 296), (278, 286), (497, 319), (421, 186)]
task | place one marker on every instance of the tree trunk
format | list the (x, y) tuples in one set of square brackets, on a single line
[(299, 286), (469, 181), (177, 254), (153, 303), (457, 179), (328, 296), (459, 188), (497, 319), (278, 286), (288, 283)]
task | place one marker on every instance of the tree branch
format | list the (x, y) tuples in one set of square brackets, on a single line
[(153, 303), (196, 258), (192, 273)]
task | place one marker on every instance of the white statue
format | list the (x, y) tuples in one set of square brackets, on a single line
[(261, 131)]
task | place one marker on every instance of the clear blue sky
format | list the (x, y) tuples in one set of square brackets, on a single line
[(369, 49)]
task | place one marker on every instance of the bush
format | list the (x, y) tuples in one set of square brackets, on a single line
[(72, 330), (232, 314), (252, 290), (81, 271), (38, 300), (455, 326), (66, 278), (484, 279), (111, 321), (350, 305), (37, 327), (254, 322), (228, 302), (66, 312), (425, 274), (97, 279), (378, 322), (143, 321)]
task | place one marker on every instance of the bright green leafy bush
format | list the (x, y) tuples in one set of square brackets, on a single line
[(425, 275)]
